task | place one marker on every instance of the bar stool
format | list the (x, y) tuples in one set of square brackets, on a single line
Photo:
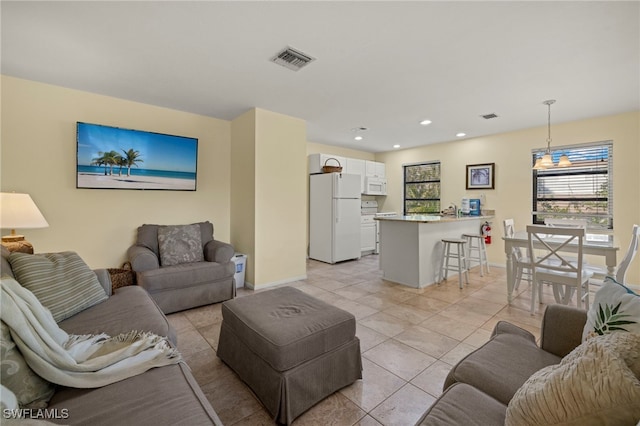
[(480, 248), (461, 266)]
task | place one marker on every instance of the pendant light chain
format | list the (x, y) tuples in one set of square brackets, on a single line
[(549, 124), (549, 103)]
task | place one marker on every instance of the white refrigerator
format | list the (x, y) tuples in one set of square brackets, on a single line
[(334, 217)]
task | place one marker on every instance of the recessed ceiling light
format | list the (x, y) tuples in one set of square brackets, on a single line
[(358, 138), (461, 134), (425, 122), (396, 146)]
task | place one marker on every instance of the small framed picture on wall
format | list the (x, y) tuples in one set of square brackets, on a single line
[(481, 176)]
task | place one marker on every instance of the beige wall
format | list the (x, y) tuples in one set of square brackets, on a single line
[(268, 200), (243, 177), (39, 157), (318, 148), (281, 218), (511, 153)]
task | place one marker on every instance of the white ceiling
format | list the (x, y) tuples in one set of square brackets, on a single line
[(384, 65)]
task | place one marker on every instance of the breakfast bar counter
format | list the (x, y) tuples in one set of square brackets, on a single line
[(411, 246)]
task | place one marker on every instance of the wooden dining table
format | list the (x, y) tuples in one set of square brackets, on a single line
[(594, 244)]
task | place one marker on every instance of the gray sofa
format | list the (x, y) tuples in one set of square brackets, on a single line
[(478, 389), (161, 396), (186, 285)]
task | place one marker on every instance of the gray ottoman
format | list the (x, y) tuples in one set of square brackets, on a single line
[(290, 348)]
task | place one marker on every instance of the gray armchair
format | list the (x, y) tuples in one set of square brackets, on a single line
[(185, 284)]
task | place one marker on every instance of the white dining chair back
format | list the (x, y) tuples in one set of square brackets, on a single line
[(520, 261), (631, 253), (552, 265), (566, 223)]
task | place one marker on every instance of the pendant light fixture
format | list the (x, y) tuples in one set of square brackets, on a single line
[(546, 161)]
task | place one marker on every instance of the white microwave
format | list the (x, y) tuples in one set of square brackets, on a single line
[(375, 186)]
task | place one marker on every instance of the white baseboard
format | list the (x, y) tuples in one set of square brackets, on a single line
[(250, 286)]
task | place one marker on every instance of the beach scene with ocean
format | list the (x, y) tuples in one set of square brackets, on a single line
[(115, 158)]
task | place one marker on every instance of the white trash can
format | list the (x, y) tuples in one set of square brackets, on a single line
[(241, 261)]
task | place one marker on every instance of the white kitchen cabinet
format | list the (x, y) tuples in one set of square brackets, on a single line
[(317, 161), (375, 169), (356, 167), (368, 236)]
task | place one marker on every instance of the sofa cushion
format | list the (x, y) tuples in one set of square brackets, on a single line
[(615, 308), (62, 282), (180, 244), (128, 307), (31, 390), (161, 396), (462, 404), (184, 275), (148, 237), (597, 383), (502, 365)]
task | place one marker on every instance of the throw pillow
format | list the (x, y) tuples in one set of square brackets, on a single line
[(597, 383), (180, 244), (615, 308), (30, 390), (62, 282)]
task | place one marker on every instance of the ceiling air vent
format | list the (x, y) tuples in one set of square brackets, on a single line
[(292, 59), (489, 116)]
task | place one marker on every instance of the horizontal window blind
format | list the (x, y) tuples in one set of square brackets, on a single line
[(422, 188), (583, 190)]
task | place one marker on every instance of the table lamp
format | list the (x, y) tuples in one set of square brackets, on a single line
[(19, 211)]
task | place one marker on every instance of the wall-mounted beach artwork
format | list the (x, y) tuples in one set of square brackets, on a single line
[(114, 158)]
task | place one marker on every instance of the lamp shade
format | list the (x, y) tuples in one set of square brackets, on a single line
[(547, 161), (538, 165), (18, 211), (564, 161)]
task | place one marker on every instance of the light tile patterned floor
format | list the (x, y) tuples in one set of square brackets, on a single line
[(409, 338)]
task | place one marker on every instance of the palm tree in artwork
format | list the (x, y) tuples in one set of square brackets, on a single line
[(111, 158), (100, 161), (120, 162), (131, 158)]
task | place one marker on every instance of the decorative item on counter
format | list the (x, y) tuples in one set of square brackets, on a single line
[(474, 207), (465, 207)]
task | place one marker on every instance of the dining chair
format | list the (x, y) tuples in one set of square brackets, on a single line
[(521, 263), (566, 223), (553, 266), (621, 271)]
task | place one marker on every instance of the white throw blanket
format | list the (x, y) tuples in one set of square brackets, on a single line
[(77, 361)]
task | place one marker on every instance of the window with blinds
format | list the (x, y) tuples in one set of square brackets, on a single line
[(583, 190), (422, 188)]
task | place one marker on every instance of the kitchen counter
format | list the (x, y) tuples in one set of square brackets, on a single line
[(433, 218), (411, 246)]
